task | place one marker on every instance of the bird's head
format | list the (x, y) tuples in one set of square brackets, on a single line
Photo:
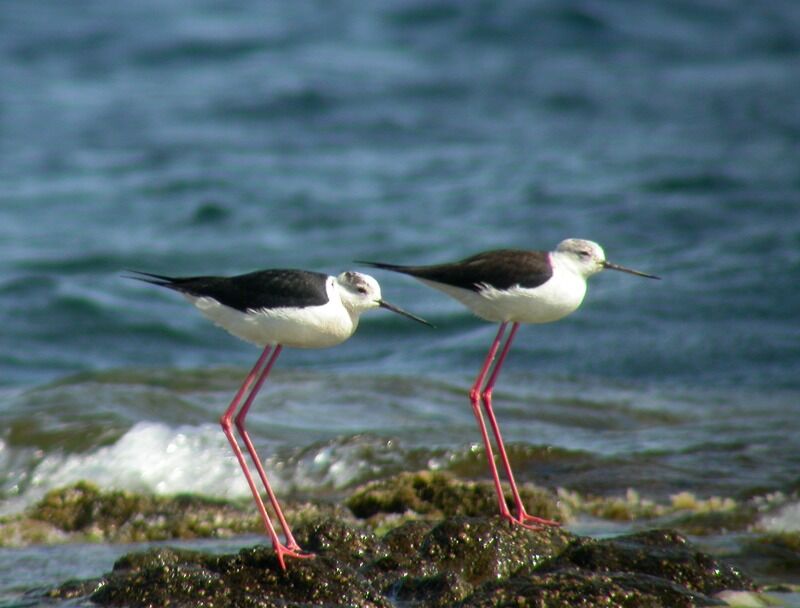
[(361, 292), (588, 258)]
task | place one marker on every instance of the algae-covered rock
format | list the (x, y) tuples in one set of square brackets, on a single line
[(481, 549), (401, 561), (685, 511), (319, 581), (717, 522), (574, 587), (461, 561), (352, 545), (17, 531), (661, 553), (436, 590), (74, 589), (74, 507), (439, 495), (82, 512), (252, 577), (162, 577), (431, 561), (461, 553), (654, 569)]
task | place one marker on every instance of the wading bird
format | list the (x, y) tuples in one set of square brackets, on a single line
[(273, 309), (513, 286)]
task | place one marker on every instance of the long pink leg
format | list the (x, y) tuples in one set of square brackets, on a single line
[(474, 398), (225, 422), (239, 420), (522, 515)]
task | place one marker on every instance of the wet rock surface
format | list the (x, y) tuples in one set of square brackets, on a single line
[(417, 540), (458, 561), (251, 577), (84, 513), (438, 495), (570, 588), (658, 553)]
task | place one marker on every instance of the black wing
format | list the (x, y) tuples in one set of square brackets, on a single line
[(261, 289), (501, 268)]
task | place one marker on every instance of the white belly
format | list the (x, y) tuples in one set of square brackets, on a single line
[(309, 327), (549, 302)]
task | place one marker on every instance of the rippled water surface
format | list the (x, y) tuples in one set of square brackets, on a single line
[(217, 138)]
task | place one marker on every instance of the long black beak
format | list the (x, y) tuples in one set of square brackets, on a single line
[(611, 266), (400, 311)]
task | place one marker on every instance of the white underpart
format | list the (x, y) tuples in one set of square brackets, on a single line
[(308, 327), (551, 301)]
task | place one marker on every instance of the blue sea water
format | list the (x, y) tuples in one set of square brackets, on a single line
[(222, 137)]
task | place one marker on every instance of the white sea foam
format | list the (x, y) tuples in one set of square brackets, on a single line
[(340, 462), (156, 458), (785, 519), (150, 457)]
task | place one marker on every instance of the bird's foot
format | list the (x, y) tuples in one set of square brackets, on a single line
[(292, 550), (522, 519)]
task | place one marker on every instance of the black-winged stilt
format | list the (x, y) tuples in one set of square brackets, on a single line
[(513, 286), (273, 309)]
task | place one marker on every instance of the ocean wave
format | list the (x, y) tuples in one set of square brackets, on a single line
[(785, 519), (156, 458), (150, 457)]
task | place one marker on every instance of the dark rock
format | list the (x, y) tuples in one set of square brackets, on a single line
[(442, 589), (569, 588), (252, 577), (255, 576), (662, 553), (464, 561), (401, 560), (488, 548), (351, 545), (182, 583), (465, 552), (439, 495), (436, 560), (404, 542)]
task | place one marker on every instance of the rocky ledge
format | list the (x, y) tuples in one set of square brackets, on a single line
[(418, 540), (460, 561)]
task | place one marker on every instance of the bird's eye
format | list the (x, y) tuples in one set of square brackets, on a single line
[(362, 290), (584, 254)]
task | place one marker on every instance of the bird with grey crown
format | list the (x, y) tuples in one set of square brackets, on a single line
[(272, 309), (512, 286)]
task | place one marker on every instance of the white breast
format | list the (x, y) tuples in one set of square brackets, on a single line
[(309, 327), (549, 302)]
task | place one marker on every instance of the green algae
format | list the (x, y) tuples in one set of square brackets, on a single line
[(437, 494), (420, 539), (83, 513), (463, 561), (684, 511)]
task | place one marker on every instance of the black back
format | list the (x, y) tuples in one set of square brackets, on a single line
[(276, 288), (501, 268)]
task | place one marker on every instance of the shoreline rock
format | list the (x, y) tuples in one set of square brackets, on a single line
[(422, 540), (472, 562)]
